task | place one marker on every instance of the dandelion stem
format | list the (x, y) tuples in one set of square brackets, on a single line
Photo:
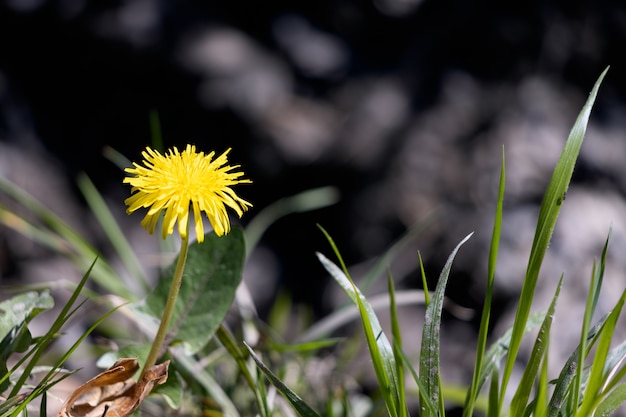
[(157, 344)]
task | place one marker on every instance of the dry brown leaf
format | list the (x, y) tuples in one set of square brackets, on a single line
[(113, 393)]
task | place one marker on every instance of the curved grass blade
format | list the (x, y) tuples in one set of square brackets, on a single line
[(294, 399), (429, 352), (381, 351), (548, 214)]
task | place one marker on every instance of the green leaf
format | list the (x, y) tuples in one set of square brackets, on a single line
[(525, 386), (548, 214), (497, 351), (294, 399), (612, 401), (21, 309), (472, 392), (381, 351), (568, 372), (429, 351), (597, 376), (212, 275)]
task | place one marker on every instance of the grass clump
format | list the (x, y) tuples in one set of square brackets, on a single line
[(246, 368)]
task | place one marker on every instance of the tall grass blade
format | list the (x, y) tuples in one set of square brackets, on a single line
[(112, 229), (429, 368), (472, 392), (496, 352), (381, 350), (397, 347), (597, 276), (541, 403), (611, 402), (548, 214), (522, 394)]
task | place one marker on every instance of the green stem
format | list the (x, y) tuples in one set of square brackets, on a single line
[(168, 312)]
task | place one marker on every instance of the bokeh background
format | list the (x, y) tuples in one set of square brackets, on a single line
[(403, 106)]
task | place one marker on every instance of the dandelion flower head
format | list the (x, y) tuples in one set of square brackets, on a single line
[(179, 181)]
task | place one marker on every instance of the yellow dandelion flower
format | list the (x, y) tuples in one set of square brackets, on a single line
[(176, 182)]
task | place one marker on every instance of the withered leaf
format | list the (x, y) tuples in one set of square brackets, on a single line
[(113, 393)]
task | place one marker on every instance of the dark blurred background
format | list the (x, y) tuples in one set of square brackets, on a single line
[(402, 105)]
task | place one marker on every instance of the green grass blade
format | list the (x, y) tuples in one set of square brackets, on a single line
[(522, 394), (294, 399), (63, 316), (112, 229), (103, 274), (397, 347), (381, 350), (228, 341), (427, 403), (548, 214), (541, 402), (424, 279), (563, 384), (429, 371), (494, 396), (497, 351), (597, 276), (597, 376), (611, 402), (472, 392)]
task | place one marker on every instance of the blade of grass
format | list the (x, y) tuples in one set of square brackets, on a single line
[(380, 349), (524, 388), (397, 346), (541, 407), (112, 230), (427, 403), (597, 276), (424, 279), (228, 341), (294, 399), (596, 377), (548, 214), (63, 316), (497, 351), (472, 392), (611, 402), (102, 273), (429, 368), (563, 385)]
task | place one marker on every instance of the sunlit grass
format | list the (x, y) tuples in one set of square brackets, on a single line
[(245, 367)]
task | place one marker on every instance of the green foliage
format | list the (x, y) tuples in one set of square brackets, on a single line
[(212, 275), (248, 367)]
